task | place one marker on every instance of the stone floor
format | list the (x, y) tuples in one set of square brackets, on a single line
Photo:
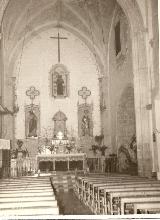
[(69, 204)]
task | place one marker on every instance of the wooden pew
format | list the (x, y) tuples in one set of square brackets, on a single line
[(85, 184), (84, 192), (82, 182), (90, 189), (104, 190), (114, 199), (137, 200), (79, 179), (82, 185), (93, 194), (122, 189), (146, 208), (99, 189)]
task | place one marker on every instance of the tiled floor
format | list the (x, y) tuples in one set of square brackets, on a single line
[(69, 204)]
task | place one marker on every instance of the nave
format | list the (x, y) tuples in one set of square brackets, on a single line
[(94, 193), (82, 194)]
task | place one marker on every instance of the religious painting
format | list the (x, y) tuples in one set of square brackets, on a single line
[(59, 81), (32, 121), (85, 124), (60, 124)]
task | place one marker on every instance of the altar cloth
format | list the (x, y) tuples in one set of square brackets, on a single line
[(68, 158)]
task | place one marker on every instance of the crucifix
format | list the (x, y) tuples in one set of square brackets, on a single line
[(59, 38)]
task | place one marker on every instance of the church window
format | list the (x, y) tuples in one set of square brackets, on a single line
[(118, 38)]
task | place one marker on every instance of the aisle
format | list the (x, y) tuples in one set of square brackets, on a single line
[(69, 204), (27, 196)]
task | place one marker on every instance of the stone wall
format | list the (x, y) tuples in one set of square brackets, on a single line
[(121, 104), (126, 117)]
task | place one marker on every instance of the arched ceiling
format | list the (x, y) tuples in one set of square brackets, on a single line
[(89, 19)]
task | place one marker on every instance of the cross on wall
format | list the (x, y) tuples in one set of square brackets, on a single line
[(59, 38), (32, 92)]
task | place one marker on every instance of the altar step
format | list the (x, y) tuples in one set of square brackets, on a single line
[(27, 196)]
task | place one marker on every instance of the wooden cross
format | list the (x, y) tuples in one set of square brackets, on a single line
[(84, 93), (59, 38)]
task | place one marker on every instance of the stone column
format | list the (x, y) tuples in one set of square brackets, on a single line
[(157, 108), (1, 83), (105, 112), (157, 117), (8, 97), (142, 99)]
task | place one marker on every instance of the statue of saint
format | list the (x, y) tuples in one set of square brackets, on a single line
[(32, 125), (85, 125), (60, 85)]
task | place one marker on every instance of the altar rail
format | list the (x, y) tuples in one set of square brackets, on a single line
[(23, 167)]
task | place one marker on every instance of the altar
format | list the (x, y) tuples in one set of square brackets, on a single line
[(61, 162)]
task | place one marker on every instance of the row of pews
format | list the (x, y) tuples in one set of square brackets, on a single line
[(118, 194), (27, 197)]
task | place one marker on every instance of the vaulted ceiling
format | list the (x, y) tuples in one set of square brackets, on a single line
[(88, 19)]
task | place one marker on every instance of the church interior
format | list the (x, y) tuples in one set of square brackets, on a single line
[(79, 107)]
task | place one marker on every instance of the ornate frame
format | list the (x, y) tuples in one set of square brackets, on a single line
[(61, 118), (82, 108), (59, 69), (36, 111)]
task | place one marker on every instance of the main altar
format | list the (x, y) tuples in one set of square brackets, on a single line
[(61, 162), (60, 155)]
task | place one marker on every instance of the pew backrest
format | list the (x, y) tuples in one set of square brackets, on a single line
[(138, 199)]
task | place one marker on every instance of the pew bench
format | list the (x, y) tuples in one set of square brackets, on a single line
[(100, 192), (87, 182), (147, 208), (97, 191), (128, 203), (90, 193), (114, 199), (82, 183)]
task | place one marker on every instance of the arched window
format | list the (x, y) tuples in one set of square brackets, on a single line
[(121, 32), (117, 38)]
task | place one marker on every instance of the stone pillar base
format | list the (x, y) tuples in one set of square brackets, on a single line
[(158, 175)]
